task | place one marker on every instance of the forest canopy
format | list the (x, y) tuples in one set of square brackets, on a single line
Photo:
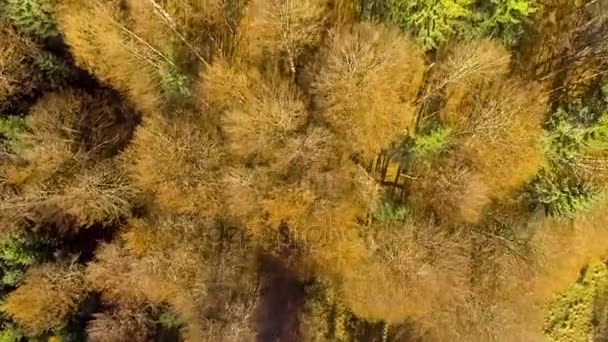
[(303, 170)]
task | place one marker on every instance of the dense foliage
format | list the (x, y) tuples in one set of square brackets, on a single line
[(303, 170)]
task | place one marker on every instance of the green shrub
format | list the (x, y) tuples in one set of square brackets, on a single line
[(10, 132), (325, 317), (173, 82), (432, 143), (572, 312), (10, 333), (578, 112), (432, 22), (504, 18), (577, 127), (32, 17), (576, 130), (169, 320), (372, 10), (573, 130), (390, 210), (561, 195), (17, 254), (54, 70), (564, 143)]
